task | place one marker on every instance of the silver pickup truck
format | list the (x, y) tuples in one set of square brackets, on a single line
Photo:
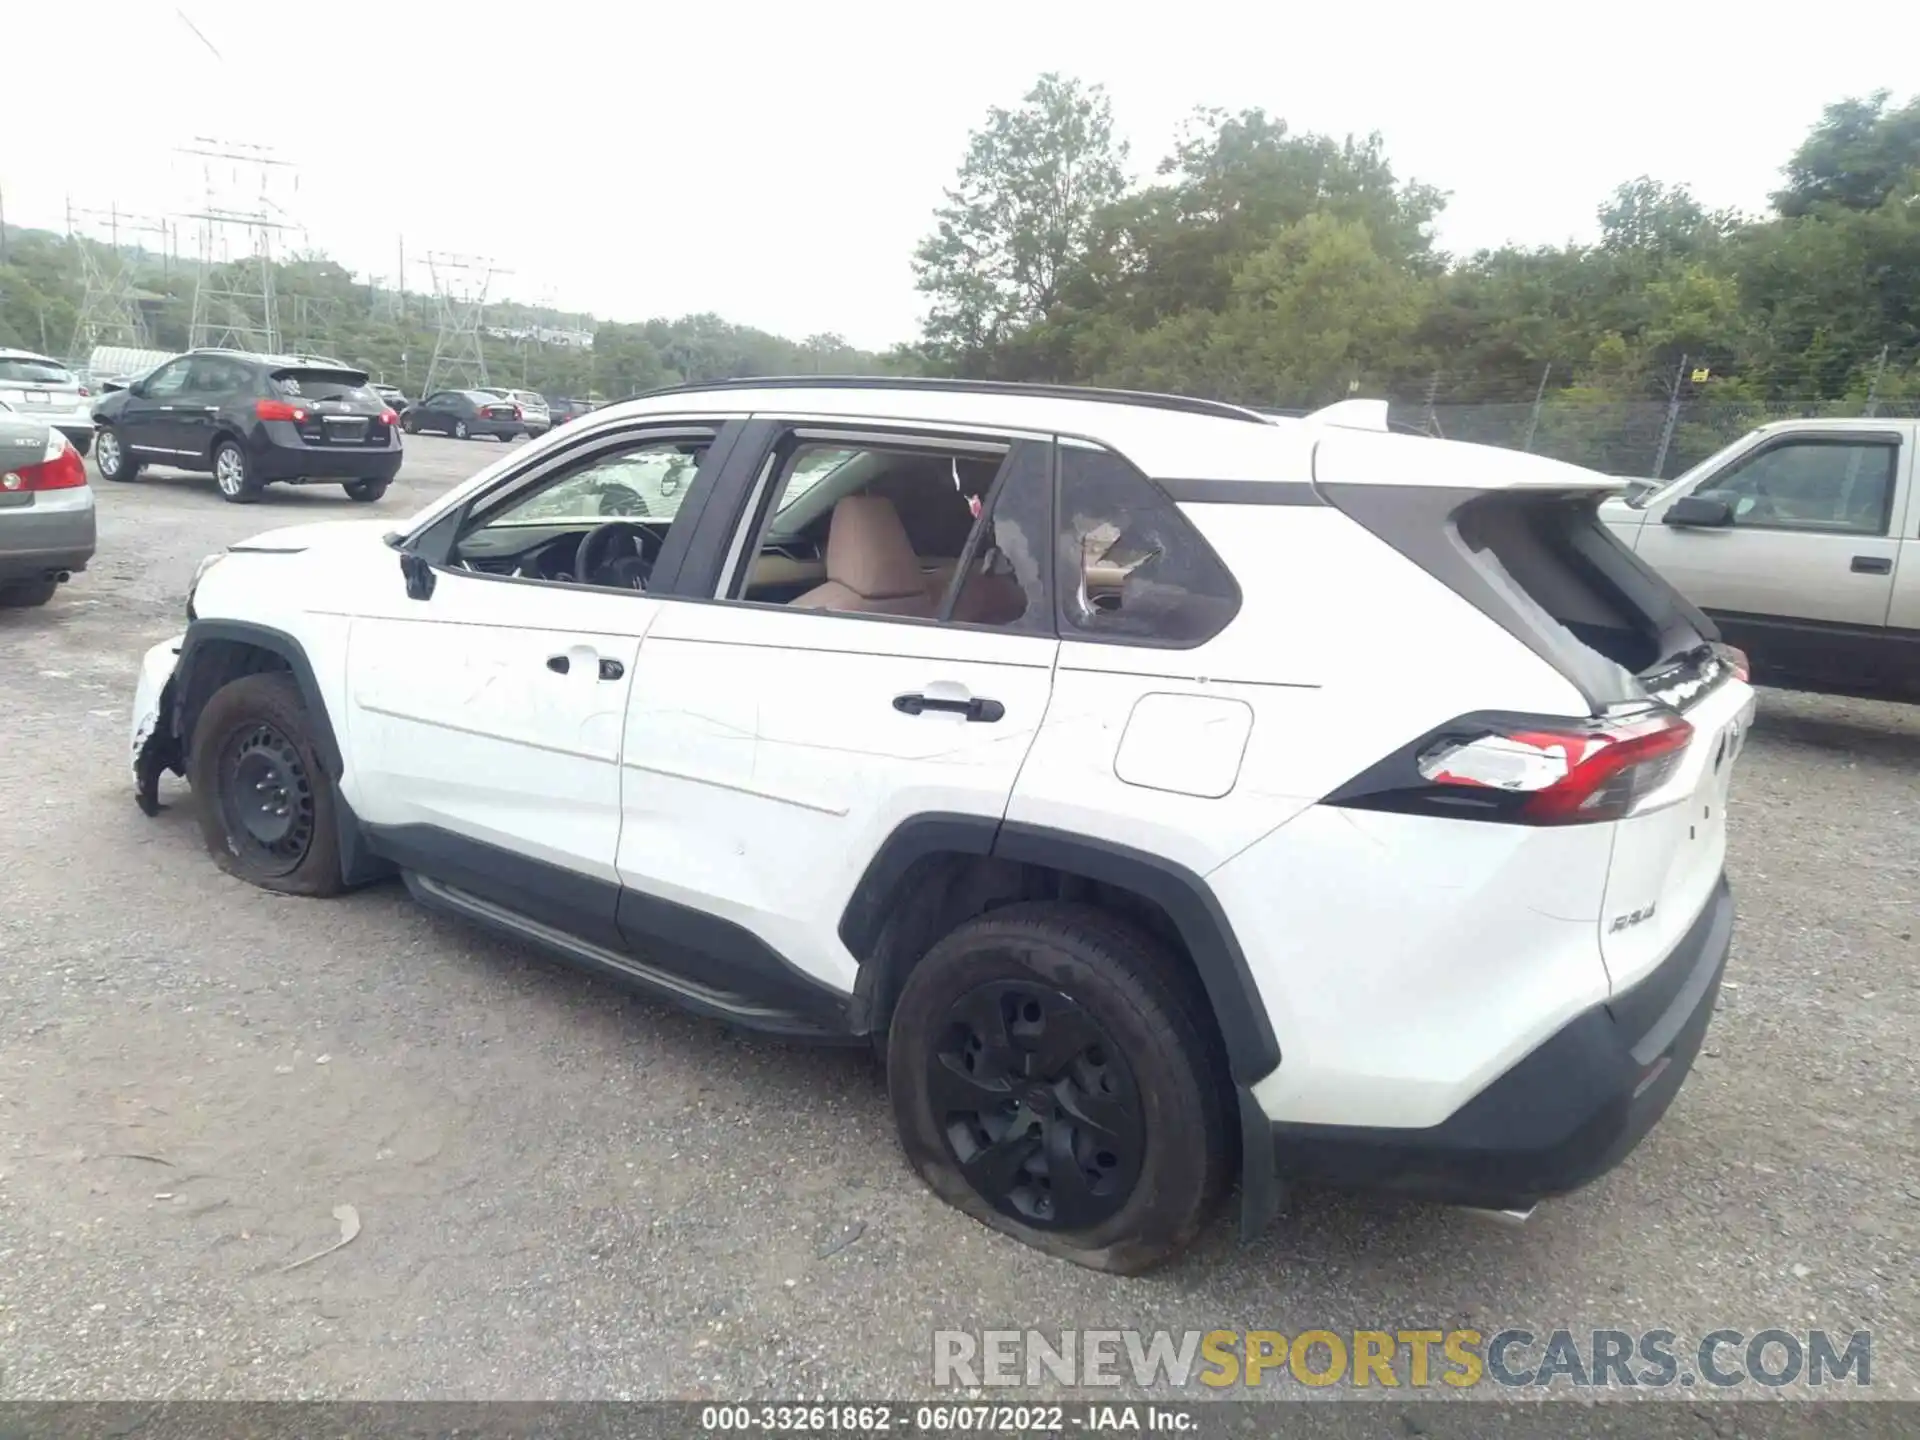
[(1802, 540)]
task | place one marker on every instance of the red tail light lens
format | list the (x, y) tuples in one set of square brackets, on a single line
[(1734, 659), (85, 393), (1524, 772), (389, 417), (58, 468), (279, 410), (518, 413)]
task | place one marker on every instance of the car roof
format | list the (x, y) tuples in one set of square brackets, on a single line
[(7, 352), (1168, 436)]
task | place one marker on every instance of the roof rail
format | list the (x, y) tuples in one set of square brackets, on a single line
[(1189, 404)]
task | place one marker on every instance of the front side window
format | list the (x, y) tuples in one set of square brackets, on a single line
[(1832, 486), (602, 521), (168, 380), (1130, 566)]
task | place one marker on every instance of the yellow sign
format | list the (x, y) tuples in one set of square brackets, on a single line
[(1702, 375)]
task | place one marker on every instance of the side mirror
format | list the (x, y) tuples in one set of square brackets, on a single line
[(419, 576), (137, 387), (1698, 511)]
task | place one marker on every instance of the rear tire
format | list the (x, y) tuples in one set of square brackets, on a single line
[(264, 799), (1052, 1078), (233, 474), (26, 594), (410, 424), (111, 457), (459, 429), (366, 491)]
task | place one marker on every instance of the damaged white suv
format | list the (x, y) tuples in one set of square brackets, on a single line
[(1173, 793)]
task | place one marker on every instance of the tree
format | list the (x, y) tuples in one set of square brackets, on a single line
[(1020, 212), (1857, 157), (1646, 217)]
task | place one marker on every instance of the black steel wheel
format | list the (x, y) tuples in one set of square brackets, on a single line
[(1056, 1075), (263, 795), (1038, 1105), (266, 797)]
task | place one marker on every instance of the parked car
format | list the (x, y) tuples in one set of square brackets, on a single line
[(393, 395), (533, 408), (465, 414), (1799, 540), (561, 411), (33, 384), (252, 420), (46, 509), (1204, 792)]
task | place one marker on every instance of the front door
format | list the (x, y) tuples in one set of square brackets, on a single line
[(1805, 572), (149, 423), (486, 718), (875, 653)]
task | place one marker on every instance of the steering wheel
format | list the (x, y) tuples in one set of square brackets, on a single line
[(621, 572)]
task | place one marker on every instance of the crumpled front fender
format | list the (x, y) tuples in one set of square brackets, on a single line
[(156, 749)]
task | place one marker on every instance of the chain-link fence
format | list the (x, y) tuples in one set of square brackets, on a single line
[(1641, 438)]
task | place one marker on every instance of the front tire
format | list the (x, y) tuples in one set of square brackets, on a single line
[(459, 429), (366, 491), (264, 799), (111, 456), (410, 424), (1051, 1077), (27, 594), (233, 474)]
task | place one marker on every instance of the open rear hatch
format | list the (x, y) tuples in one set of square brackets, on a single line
[(1669, 702)]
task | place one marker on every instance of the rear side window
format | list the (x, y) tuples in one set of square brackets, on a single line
[(323, 385), (1131, 567)]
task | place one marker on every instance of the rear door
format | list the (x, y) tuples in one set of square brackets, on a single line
[(788, 722)]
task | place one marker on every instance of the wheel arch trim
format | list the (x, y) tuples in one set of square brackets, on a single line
[(1240, 1013)]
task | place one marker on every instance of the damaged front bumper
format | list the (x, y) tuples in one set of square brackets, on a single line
[(156, 748)]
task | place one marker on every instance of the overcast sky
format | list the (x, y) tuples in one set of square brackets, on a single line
[(777, 162)]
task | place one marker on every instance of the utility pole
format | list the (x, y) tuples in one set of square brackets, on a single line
[(1873, 390), (3, 227), (1533, 419), (1429, 421), (1673, 419)]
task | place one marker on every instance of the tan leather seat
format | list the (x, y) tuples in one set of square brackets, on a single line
[(870, 563)]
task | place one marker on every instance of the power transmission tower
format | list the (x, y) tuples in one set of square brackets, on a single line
[(460, 285), (233, 296), (109, 306)]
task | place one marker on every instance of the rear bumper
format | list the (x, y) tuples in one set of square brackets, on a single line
[(55, 533), (1561, 1117), (274, 460)]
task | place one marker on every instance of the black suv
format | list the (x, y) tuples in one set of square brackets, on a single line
[(252, 420)]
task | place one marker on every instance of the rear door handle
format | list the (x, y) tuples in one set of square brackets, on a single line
[(559, 664), (978, 708), (611, 669), (1872, 565)]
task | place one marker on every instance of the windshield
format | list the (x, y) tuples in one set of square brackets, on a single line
[(644, 484), (34, 372), (808, 471)]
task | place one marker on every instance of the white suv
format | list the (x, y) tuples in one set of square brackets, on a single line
[(1173, 793)]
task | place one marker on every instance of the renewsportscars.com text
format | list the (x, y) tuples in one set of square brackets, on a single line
[(1512, 1358)]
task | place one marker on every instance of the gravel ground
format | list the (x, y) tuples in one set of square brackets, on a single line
[(566, 1192)]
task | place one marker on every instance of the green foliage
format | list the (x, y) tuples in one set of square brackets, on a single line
[(1278, 268), (322, 308), (1018, 215)]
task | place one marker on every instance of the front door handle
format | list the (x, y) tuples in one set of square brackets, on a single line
[(611, 669), (1872, 565), (978, 708), (559, 664)]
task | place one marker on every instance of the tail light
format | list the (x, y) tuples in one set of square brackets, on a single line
[(85, 393), (1735, 659), (389, 417), (518, 413), (279, 410), (58, 468), (1523, 770)]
